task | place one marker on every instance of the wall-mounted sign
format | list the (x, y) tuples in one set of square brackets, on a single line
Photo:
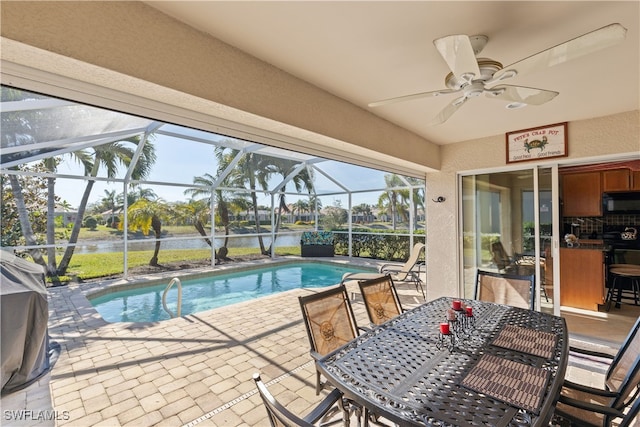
[(537, 143)]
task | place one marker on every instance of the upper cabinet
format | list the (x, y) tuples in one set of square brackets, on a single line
[(635, 180), (620, 180), (582, 194)]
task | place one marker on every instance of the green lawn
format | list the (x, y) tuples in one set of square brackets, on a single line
[(93, 266)]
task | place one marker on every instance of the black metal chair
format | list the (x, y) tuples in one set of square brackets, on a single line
[(582, 405), (323, 414), (504, 288)]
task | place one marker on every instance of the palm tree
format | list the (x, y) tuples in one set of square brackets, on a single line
[(418, 198), (108, 156), (25, 223), (147, 215), (51, 165), (196, 212), (205, 192), (252, 171), (315, 205), (301, 180), (110, 201), (300, 206), (389, 201)]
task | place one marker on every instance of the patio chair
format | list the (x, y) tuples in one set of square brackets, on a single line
[(501, 258), (380, 298), (504, 288), (590, 406), (407, 272), (330, 322), (323, 414)]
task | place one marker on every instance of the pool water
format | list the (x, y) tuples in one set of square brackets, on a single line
[(204, 293)]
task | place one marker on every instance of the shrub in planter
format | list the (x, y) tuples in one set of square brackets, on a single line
[(317, 243)]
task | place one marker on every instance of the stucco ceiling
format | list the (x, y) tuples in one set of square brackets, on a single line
[(364, 51)]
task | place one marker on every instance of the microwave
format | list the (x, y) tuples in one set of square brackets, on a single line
[(621, 203)]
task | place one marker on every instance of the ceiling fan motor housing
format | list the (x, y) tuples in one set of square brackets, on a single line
[(488, 67)]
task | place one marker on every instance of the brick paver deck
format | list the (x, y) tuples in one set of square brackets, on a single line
[(195, 370), (190, 371)]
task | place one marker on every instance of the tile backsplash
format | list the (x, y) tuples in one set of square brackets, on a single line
[(589, 225)]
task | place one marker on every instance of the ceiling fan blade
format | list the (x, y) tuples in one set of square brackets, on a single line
[(457, 52), (572, 49), (526, 95), (448, 111), (410, 97)]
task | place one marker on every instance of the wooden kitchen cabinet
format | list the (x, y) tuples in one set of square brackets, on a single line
[(581, 278), (620, 180), (582, 194), (635, 180), (616, 180)]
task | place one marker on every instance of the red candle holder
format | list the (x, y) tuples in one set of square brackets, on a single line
[(457, 304), (444, 328)]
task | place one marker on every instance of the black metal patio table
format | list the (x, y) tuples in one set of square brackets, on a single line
[(505, 368)]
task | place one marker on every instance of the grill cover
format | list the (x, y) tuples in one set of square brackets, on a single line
[(24, 315)]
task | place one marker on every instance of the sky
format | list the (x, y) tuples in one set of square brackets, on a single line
[(179, 161)]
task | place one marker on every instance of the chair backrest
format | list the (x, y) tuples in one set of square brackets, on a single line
[(381, 299), (279, 416), (499, 255), (503, 288), (413, 257), (623, 375), (329, 319)]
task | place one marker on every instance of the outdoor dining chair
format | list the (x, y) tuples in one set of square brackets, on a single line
[(500, 257), (330, 322), (578, 402), (504, 288), (323, 414), (380, 298), (407, 272)]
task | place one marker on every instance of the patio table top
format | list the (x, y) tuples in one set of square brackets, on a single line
[(405, 371)]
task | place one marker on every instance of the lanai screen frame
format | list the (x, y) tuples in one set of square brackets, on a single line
[(47, 149)]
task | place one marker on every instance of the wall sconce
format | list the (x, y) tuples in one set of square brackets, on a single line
[(440, 199)]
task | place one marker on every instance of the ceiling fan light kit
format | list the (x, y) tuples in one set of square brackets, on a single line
[(474, 76)]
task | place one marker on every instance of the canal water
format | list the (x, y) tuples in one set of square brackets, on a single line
[(88, 247)]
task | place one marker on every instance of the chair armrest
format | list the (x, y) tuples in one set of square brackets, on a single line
[(606, 410), (590, 352), (324, 406), (316, 356), (391, 268), (588, 389)]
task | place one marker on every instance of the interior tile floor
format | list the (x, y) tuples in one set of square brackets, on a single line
[(196, 370)]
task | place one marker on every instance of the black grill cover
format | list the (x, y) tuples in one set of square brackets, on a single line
[(24, 315)]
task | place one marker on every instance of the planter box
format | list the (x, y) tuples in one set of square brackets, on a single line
[(316, 250), (316, 243)]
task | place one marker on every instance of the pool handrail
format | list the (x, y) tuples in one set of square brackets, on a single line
[(164, 297)]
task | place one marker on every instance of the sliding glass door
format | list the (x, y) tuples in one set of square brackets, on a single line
[(507, 223)]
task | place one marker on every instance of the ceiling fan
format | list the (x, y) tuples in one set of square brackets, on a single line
[(471, 77)]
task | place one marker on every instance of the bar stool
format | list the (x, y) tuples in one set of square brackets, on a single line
[(623, 271)]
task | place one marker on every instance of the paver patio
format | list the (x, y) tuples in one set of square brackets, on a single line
[(190, 371)]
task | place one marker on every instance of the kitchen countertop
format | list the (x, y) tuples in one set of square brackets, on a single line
[(593, 246)]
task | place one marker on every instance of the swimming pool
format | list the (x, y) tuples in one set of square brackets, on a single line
[(204, 293)]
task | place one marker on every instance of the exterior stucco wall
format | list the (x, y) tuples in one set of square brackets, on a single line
[(598, 138)]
